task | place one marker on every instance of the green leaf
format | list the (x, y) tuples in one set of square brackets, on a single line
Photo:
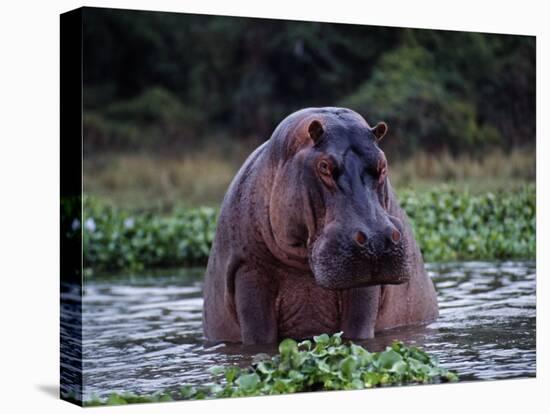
[(231, 373), (305, 344), (388, 358), (265, 367), (165, 398), (321, 339), (298, 358), (348, 365), (188, 391), (357, 384), (288, 347), (364, 357), (450, 376), (336, 339), (399, 367), (295, 376), (115, 399), (248, 382), (322, 366), (371, 379)]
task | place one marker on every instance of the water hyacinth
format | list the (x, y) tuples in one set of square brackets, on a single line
[(327, 363), (114, 239), (322, 364), (451, 225)]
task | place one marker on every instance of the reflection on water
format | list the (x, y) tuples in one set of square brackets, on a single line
[(144, 335)]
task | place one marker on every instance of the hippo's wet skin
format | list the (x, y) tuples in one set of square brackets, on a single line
[(311, 239)]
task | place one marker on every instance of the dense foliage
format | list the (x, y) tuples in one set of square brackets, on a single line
[(449, 225), (326, 363), (160, 81)]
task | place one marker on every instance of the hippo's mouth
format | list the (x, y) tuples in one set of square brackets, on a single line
[(340, 267)]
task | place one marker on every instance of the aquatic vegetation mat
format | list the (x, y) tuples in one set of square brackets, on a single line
[(455, 225), (322, 364)]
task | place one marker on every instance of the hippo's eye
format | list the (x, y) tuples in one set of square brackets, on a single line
[(326, 170), (324, 167)]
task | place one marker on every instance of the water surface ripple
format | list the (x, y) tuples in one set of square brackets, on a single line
[(144, 334)]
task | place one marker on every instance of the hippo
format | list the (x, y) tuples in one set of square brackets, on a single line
[(311, 239)]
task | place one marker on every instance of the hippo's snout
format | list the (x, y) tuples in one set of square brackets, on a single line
[(344, 256)]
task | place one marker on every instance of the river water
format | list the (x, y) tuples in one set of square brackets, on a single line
[(143, 334)]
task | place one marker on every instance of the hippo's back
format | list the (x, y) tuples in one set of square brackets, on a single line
[(219, 318)]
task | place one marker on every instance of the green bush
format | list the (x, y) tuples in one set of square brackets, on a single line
[(448, 224), (152, 120), (409, 92), (326, 363)]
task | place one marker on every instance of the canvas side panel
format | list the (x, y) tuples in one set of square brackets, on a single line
[(71, 383)]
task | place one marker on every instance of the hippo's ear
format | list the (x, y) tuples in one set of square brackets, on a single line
[(315, 130), (379, 130)]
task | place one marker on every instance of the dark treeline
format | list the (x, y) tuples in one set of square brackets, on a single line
[(162, 81)]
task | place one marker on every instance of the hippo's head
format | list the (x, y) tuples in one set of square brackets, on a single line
[(331, 199)]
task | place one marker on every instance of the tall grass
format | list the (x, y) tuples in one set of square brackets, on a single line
[(492, 171), (141, 180)]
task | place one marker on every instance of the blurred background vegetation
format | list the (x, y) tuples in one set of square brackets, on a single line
[(174, 103)]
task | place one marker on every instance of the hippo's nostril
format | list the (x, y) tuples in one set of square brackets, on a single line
[(395, 236), (360, 238)]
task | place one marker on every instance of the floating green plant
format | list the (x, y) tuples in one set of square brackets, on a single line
[(322, 364)]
